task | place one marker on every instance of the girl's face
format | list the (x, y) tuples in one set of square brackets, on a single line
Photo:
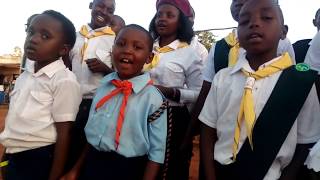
[(130, 52), (45, 39), (167, 20)]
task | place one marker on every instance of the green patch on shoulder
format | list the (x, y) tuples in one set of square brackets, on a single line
[(302, 67)]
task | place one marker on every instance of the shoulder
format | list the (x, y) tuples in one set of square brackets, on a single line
[(223, 76), (151, 95), (65, 76)]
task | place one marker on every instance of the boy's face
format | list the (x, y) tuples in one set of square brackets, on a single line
[(45, 39), (167, 20), (316, 20), (260, 27), (101, 13), (116, 24), (235, 8), (130, 52)]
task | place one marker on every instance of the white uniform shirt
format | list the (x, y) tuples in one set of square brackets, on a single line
[(200, 48), (38, 101), (313, 53), (222, 107), (209, 70), (180, 68), (98, 47)]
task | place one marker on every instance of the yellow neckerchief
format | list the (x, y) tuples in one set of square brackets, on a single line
[(85, 33), (233, 42), (247, 105), (157, 51)]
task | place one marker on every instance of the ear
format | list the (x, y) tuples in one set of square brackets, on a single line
[(149, 60), (284, 31), (90, 5), (314, 22), (64, 50)]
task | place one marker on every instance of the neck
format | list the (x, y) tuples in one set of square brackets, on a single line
[(38, 65), (163, 41), (256, 60), (95, 27)]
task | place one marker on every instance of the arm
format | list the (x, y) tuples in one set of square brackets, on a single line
[(308, 133), (61, 149), (74, 173), (194, 125), (151, 171), (97, 66), (208, 137), (318, 86), (170, 93), (300, 155), (157, 133)]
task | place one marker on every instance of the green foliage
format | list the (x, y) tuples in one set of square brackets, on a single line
[(206, 38)]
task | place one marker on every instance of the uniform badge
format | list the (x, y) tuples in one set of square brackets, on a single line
[(302, 67)]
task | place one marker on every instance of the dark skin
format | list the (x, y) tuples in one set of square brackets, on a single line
[(61, 149), (316, 20), (194, 125), (167, 20), (44, 44), (101, 13), (260, 29), (208, 138), (45, 41), (132, 49)]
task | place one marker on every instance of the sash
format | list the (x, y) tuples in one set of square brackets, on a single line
[(274, 123), (221, 55)]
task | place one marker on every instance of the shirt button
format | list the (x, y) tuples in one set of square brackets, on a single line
[(108, 115), (100, 136)]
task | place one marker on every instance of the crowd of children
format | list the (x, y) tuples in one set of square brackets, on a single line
[(116, 101)]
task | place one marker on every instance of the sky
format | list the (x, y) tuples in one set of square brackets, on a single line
[(210, 14)]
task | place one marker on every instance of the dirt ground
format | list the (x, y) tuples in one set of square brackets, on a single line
[(194, 167)]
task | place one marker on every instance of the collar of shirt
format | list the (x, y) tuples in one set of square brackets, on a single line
[(49, 69), (235, 30), (243, 63), (174, 44), (90, 30), (138, 82)]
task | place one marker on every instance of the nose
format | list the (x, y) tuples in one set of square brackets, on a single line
[(105, 12), (34, 38), (128, 49), (254, 22)]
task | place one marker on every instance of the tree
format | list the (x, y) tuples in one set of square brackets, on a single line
[(206, 38)]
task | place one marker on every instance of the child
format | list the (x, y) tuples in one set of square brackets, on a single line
[(301, 47), (117, 23), (37, 127), (222, 54), (264, 85), (200, 48), (122, 143), (90, 62), (176, 70), (24, 58)]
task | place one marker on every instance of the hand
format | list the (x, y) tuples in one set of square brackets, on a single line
[(71, 175), (97, 66), (167, 92)]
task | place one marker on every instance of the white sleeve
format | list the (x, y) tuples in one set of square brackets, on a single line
[(286, 46), (313, 159), (309, 119), (208, 70), (193, 82), (209, 113), (313, 54), (67, 98)]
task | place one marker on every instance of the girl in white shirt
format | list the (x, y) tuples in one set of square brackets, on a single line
[(176, 71)]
